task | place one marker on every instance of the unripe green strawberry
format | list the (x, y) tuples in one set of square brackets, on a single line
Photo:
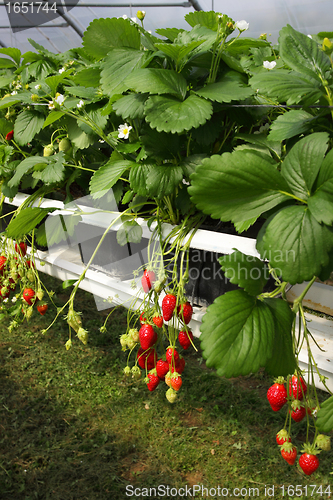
[(30, 275), (48, 150), (35, 98), (65, 145), (74, 320), (28, 312), (134, 334), (123, 341), (136, 372), (127, 371), (40, 294), (83, 335), (171, 395), (323, 442), (68, 344)]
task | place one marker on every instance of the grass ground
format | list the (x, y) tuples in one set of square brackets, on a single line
[(72, 427)]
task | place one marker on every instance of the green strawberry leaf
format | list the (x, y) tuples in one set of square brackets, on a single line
[(102, 35), (291, 123), (27, 125), (138, 178), (237, 334), (88, 77), (321, 204), (168, 114), (302, 54), (119, 64), (163, 180), (26, 220), (225, 91), (129, 232), (237, 186), (107, 175), (52, 117), (13, 53), (302, 163), (209, 19), (245, 271), (324, 422), (170, 33), (178, 52), (287, 86), (295, 243), (282, 362), (130, 106), (157, 81), (54, 172), (57, 228), (24, 167), (6, 63)]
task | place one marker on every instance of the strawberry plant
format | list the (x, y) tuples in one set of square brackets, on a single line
[(201, 125)]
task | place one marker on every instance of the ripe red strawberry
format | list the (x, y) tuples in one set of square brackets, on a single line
[(3, 261), (143, 318), (167, 379), (21, 248), (277, 396), (168, 306), (184, 312), (29, 263), (297, 387), (10, 135), (147, 336), (162, 368), (153, 380), (184, 338), (309, 463), (148, 358), (158, 320), (289, 453), (282, 436), (42, 308), (172, 356), (147, 280), (176, 381), (28, 295), (298, 411), (180, 365)]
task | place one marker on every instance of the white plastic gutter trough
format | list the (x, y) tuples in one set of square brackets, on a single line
[(64, 262)]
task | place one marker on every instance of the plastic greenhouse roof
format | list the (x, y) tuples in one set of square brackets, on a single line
[(65, 32)]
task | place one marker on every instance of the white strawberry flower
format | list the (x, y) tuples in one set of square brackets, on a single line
[(60, 99), (51, 105), (80, 104), (269, 64), (38, 86), (62, 70), (242, 25), (123, 131)]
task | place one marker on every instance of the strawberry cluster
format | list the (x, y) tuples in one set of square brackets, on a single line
[(157, 342), (19, 288), (299, 407)]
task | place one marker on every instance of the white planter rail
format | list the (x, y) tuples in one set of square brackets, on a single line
[(64, 262)]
